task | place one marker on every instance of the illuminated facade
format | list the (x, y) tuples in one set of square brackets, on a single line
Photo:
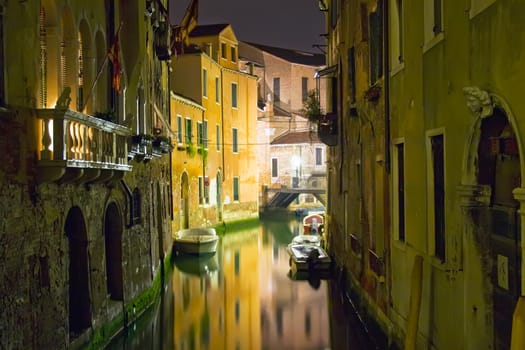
[(207, 73), (425, 174), (84, 176)]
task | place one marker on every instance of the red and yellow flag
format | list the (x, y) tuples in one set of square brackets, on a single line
[(114, 58)]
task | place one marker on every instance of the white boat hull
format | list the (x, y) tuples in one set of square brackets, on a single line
[(196, 241)]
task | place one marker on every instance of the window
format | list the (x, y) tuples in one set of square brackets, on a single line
[(437, 195), (217, 90), (351, 74), (236, 188), (397, 33), (179, 129), (275, 168), (201, 190), (433, 19), (234, 95), (399, 191), (204, 83), (205, 134), (234, 141), (200, 134), (223, 50), (237, 262), (218, 137), (376, 43), (276, 89), (304, 82), (233, 51), (318, 156), (188, 131)]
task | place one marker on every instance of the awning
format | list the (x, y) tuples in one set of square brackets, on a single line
[(326, 72)]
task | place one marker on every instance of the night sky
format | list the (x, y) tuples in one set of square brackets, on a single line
[(292, 24)]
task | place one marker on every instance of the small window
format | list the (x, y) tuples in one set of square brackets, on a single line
[(275, 168), (376, 43), (318, 156), (436, 197), (201, 190), (276, 89), (399, 190), (179, 129), (236, 188), (200, 134), (351, 74), (204, 83), (205, 134), (233, 51), (217, 90), (304, 88), (223, 50), (188, 131), (234, 95), (234, 141), (218, 137)]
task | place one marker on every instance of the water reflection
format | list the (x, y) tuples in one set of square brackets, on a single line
[(240, 298)]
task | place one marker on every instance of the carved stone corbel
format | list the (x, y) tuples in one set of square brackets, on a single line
[(478, 101)]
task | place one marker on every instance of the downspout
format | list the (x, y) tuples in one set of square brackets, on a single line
[(219, 205)]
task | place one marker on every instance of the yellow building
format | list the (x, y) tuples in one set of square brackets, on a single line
[(206, 73)]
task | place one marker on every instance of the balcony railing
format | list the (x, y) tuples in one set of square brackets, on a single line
[(78, 148)]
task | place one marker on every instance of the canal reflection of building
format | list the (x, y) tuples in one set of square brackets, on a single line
[(294, 314), (219, 309)]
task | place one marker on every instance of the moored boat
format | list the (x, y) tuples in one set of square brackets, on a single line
[(307, 239), (313, 223), (198, 240), (308, 258)]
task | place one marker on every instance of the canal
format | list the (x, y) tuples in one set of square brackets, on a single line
[(243, 298)]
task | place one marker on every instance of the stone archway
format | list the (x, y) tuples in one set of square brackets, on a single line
[(491, 184), (79, 289)]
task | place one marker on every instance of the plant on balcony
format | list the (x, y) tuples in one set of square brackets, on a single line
[(204, 153), (312, 107), (191, 149)]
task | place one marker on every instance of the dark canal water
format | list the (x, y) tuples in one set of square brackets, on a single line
[(242, 298)]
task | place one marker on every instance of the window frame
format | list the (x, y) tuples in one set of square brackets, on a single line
[(235, 140), (179, 129), (399, 203), (236, 184), (235, 92), (436, 240), (274, 167), (204, 83)]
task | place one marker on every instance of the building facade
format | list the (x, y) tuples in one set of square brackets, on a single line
[(286, 79), (227, 181), (426, 159), (84, 186)]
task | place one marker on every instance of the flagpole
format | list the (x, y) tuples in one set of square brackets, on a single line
[(99, 73)]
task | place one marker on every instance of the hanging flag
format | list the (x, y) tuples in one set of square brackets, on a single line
[(114, 58), (189, 21)]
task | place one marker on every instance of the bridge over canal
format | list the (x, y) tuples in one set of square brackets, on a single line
[(283, 197)]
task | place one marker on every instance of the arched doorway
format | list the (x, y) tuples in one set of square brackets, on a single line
[(79, 296), (491, 185), (113, 240), (219, 196), (184, 201), (499, 169)]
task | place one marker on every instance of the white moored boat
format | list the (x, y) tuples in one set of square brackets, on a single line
[(197, 240)]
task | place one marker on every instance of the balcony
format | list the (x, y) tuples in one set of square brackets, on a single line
[(78, 148)]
